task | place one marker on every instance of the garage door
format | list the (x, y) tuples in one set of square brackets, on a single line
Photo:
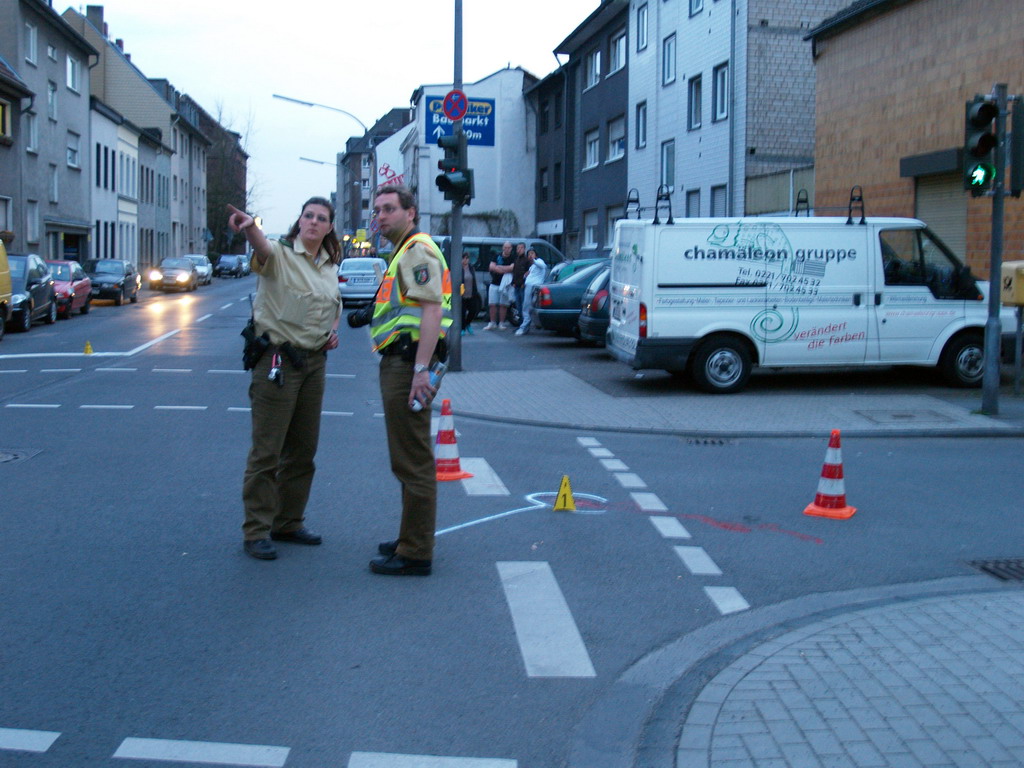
[(942, 205)]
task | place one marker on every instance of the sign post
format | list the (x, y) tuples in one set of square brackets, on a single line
[(455, 106)]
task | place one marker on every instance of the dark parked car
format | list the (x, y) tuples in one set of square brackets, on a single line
[(228, 265), (594, 316), (33, 296), (561, 271), (175, 274), (115, 279), (556, 306), (72, 286)]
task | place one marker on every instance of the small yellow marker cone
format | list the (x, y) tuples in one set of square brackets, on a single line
[(565, 502), (88, 348)]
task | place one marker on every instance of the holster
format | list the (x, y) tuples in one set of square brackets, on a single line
[(254, 347)]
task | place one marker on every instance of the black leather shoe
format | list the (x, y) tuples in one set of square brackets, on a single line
[(396, 565), (387, 548), (261, 549), (299, 536)]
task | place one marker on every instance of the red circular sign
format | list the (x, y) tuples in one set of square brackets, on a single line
[(456, 105)]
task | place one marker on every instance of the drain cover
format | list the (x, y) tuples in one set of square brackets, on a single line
[(905, 417), (1004, 570), (709, 441)]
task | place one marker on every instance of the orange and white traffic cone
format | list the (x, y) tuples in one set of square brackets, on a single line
[(446, 450), (830, 500)]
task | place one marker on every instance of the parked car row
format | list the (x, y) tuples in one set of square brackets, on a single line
[(231, 265), (574, 301)]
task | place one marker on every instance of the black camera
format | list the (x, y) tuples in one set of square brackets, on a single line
[(357, 318)]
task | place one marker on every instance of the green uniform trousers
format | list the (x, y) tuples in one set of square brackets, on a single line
[(412, 459), (285, 432)]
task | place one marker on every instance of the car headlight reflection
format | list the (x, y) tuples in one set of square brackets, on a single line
[(156, 275), (182, 278)]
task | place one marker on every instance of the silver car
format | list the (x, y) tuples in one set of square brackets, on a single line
[(358, 278), (203, 266)]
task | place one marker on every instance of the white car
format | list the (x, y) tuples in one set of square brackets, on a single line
[(203, 266), (358, 278)]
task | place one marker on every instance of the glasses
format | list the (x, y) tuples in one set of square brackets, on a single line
[(386, 209)]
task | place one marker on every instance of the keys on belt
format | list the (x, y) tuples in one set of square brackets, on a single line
[(276, 375)]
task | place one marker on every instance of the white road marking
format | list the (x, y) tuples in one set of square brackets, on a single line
[(227, 305), (27, 741), (588, 442), (172, 370), (649, 502), (341, 375), (336, 413), (386, 760), (117, 370), (60, 370), (669, 527), (727, 599), (216, 370), (179, 407), (484, 482), (549, 641), (601, 453), (698, 561), (202, 752), (149, 344), (107, 407), (616, 465), (15, 370), (32, 405), (204, 317), (630, 480)]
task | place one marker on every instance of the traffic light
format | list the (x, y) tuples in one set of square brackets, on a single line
[(980, 142), (1017, 148), (455, 179)]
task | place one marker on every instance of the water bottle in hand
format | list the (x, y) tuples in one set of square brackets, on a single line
[(437, 372)]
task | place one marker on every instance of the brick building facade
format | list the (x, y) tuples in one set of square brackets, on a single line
[(892, 80)]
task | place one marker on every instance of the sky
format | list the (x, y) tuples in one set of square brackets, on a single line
[(365, 58)]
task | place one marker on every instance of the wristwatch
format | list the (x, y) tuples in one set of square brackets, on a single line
[(420, 368)]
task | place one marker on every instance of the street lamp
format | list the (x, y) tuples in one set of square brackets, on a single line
[(366, 132)]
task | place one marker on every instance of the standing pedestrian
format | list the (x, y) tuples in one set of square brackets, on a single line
[(470, 295), (536, 275), (500, 268), (411, 316), (296, 315), (520, 266)]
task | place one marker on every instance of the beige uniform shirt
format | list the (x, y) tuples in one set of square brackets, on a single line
[(420, 273), (297, 299)]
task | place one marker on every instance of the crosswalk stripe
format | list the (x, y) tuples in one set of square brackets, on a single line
[(549, 640), (698, 561), (669, 527), (649, 502), (630, 480), (588, 442), (614, 465), (600, 453), (484, 482), (27, 741), (727, 599), (255, 755), (386, 760)]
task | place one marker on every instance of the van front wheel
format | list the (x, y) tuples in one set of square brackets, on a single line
[(721, 365), (963, 361)]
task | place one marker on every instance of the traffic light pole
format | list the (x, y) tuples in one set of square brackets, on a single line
[(993, 327), (455, 255)]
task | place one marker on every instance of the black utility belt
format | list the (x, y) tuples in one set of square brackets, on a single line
[(295, 355), (405, 347)]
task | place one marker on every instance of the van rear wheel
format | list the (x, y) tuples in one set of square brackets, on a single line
[(963, 361), (721, 365)]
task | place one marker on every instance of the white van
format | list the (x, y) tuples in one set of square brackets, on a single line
[(714, 297)]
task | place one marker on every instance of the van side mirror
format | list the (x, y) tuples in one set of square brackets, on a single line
[(964, 282)]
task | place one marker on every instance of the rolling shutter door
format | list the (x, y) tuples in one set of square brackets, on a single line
[(941, 203)]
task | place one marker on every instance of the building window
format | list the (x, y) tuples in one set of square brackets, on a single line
[(592, 143), (32, 126), (74, 74), (51, 52), (668, 164), (693, 113), (693, 204), (592, 70), (51, 100), (54, 197), (544, 185), (720, 93), (668, 60), (74, 142), (32, 221), (617, 52), (31, 42), (545, 111), (557, 181), (5, 213), (641, 125), (696, 6), (719, 201), (613, 214), (641, 27), (589, 229), (558, 109), (5, 120), (616, 139)]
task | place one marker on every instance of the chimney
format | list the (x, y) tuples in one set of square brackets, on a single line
[(94, 15), (120, 44)]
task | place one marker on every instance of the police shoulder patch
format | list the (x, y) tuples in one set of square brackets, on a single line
[(421, 274)]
